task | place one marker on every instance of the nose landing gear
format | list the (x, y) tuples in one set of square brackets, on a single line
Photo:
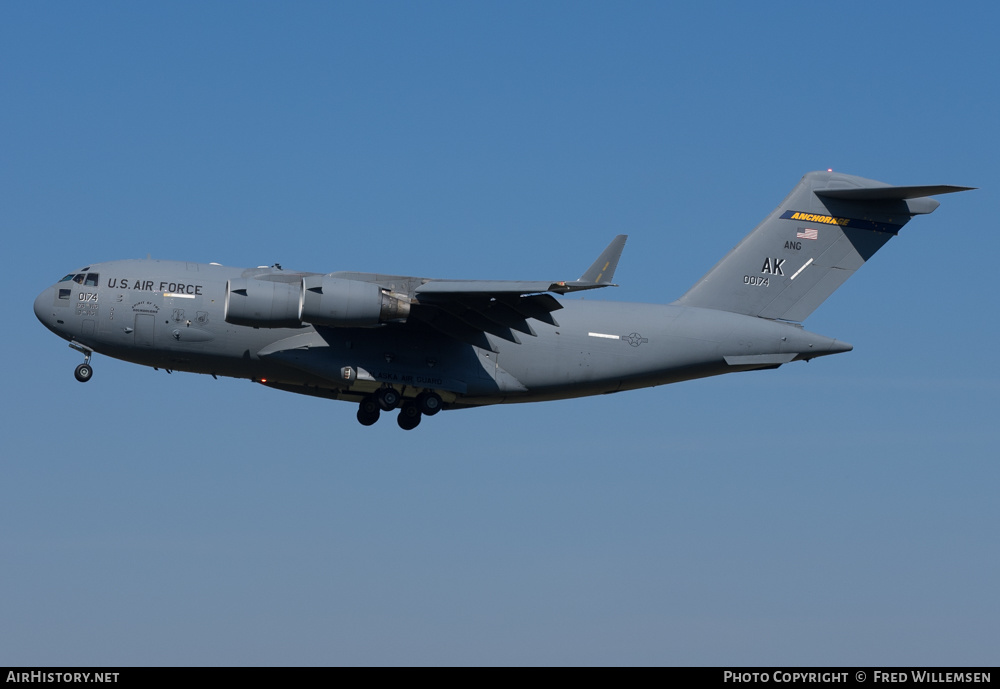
[(84, 371)]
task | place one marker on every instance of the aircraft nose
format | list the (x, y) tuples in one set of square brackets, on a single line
[(40, 304), (43, 308)]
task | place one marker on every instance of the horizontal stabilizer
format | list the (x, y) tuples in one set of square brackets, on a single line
[(889, 193)]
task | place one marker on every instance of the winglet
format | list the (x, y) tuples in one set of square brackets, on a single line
[(602, 271)]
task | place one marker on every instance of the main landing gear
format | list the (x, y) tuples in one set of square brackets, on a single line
[(410, 411), (84, 371)]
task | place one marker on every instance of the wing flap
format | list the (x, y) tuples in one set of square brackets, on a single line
[(451, 326)]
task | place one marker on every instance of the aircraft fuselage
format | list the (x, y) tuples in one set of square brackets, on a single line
[(172, 315)]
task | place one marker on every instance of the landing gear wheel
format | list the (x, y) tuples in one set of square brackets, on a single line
[(429, 403), (409, 416), (83, 373), (368, 411), (388, 398)]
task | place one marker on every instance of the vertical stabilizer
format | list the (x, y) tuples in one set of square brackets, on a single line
[(827, 227)]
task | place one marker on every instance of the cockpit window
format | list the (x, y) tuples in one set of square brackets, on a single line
[(64, 293), (67, 278), (92, 280), (78, 278)]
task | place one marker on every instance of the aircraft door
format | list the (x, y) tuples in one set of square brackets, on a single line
[(144, 324)]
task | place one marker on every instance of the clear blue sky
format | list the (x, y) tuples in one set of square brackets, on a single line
[(838, 512)]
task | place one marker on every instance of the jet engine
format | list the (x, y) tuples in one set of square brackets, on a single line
[(349, 303), (316, 299), (263, 303)]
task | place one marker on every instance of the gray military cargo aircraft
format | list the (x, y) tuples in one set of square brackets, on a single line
[(422, 345)]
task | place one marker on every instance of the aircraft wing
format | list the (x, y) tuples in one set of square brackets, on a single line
[(467, 309), (599, 274)]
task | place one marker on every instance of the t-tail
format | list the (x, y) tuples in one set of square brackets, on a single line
[(808, 246)]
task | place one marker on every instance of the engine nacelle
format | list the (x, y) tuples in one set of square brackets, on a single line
[(349, 303), (316, 299), (263, 304)]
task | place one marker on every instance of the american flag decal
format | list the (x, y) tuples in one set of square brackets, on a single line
[(807, 233)]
